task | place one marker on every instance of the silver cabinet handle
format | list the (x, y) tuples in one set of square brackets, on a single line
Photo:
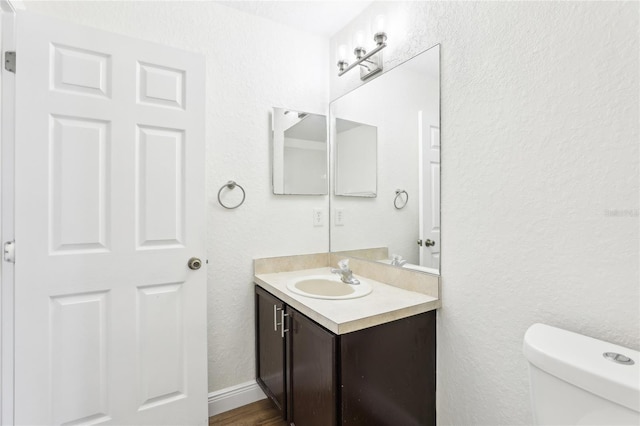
[(275, 317), (283, 330), (275, 320), (429, 243)]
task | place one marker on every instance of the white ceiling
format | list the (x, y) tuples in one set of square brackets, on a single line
[(323, 18)]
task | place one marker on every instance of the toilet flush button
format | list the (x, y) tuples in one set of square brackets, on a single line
[(618, 358)]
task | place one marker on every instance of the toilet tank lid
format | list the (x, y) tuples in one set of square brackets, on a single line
[(579, 360)]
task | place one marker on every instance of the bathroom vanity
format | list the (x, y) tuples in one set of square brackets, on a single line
[(367, 358), (363, 361)]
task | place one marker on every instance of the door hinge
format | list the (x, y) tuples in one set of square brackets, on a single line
[(10, 252), (10, 61)]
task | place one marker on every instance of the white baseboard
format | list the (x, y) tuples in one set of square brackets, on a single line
[(234, 397)]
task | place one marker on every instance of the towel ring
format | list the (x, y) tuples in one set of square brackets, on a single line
[(399, 192), (231, 185)]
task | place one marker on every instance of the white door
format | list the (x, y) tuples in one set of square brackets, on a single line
[(110, 323), (429, 175)]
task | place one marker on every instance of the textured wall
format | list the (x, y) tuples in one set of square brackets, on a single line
[(539, 140), (252, 64)]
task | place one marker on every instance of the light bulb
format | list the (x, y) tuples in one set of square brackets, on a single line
[(380, 37), (359, 38), (380, 24), (342, 52)]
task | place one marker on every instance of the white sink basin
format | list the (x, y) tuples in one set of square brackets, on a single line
[(328, 287)]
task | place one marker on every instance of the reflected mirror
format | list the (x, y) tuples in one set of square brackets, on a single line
[(299, 142), (356, 158), (401, 225)]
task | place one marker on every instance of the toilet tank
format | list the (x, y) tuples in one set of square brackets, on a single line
[(573, 383)]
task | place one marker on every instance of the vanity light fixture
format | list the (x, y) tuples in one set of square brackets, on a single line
[(370, 63)]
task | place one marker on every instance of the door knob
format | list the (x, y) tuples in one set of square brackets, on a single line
[(429, 243), (194, 263)]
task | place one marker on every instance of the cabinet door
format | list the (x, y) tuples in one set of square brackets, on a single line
[(270, 346), (313, 372), (388, 373)]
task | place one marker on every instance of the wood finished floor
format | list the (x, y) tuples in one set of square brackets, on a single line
[(260, 413)]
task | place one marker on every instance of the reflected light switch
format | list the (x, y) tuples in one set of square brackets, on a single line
[(340, 217), (318, 217)]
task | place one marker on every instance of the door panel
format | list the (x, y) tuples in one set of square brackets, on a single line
[(80, 376), (161, 86), (78, 175), (160, 174), (110, 324), (161, 361), (81, 71), (434, 204), (429, 175)]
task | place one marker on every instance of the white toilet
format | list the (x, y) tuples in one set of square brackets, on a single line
[(578, 380)]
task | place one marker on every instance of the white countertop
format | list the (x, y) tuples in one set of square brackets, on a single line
[(384, 304)]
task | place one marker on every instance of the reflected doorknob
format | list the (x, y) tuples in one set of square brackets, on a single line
[(194, 263), (429, 243), (420, 242)]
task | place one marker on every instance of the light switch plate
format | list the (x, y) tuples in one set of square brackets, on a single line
[(318, 217)]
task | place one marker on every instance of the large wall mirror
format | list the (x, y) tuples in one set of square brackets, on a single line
[(355, 144), (394, 213), (299, 152)]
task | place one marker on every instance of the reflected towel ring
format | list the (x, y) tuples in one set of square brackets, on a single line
[(231, 185), (395, 200)]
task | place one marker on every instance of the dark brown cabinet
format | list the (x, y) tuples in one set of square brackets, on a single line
[(270, 357), (388, 373), (312, 371), (382, 375)]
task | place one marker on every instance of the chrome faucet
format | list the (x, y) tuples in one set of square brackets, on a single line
[(346, 274), (397, 260)]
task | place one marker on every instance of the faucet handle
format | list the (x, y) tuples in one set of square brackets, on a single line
[(344, 264)]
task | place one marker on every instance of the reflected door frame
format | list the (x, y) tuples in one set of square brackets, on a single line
[(429, 192)]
